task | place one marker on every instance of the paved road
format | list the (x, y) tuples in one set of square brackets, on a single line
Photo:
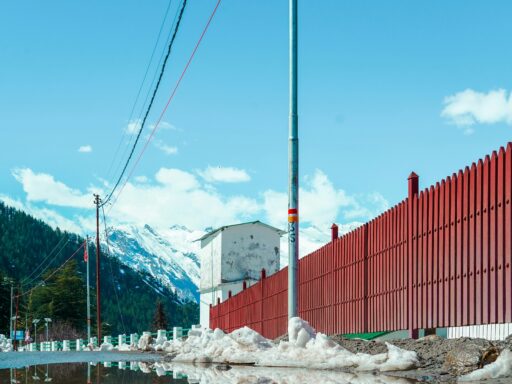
[(23, 359)]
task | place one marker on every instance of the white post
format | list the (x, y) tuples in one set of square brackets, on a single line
[(55, 346), (134, 366), (79, 344), (94, 341), (134, 339), (177, 333), (121, 340), (122, 365), (88, 291), (161, 336), (65, 345), (107, 339)]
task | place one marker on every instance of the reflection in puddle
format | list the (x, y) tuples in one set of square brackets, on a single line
[(155, 373)]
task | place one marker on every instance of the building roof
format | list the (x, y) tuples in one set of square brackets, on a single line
[(220, 229)]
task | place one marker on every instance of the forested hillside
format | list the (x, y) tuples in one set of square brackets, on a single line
[(31, 251)]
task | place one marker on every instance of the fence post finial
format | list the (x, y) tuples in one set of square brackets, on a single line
[(334, 232), (413, 180)]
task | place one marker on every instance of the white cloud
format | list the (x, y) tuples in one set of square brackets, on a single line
[(133, 127), (224, 175), (470, 107), (321, 204), (164, 125), (178, 197), (167, 149), (43, 187), (174, 196), (141, 179), (85, 149), (51, 217)]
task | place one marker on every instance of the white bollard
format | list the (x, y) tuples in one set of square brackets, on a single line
[(134, 339), (79, 344), (177, 333), (161, 336), (65, 346), (55, 346)]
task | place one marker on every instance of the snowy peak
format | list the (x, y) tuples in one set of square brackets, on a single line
[(170, 255)]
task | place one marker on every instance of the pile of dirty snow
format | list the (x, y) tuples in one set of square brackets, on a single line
[(499, 368), (5, 344), (305, 348)]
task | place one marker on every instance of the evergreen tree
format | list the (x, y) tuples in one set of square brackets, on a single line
[(28, 247), (159, 318), (62, 298)]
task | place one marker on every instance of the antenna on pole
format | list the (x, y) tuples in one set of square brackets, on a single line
[(97, 201), (293, 173)]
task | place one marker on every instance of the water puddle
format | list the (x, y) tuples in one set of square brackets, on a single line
[(156, 373)]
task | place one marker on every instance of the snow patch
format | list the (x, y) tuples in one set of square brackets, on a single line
[(501, 367), (106, 347), (5, 344), (306, 349)]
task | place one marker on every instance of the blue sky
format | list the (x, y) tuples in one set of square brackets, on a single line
[(374, 80)]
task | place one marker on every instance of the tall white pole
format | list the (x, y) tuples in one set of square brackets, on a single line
[(10, 317), (293, 172), (88, 293)]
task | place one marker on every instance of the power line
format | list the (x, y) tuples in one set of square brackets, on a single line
[(47, 256), (141, 84), (167, 104), (48, 266), (148, 94), (171, 43), (53, 273)]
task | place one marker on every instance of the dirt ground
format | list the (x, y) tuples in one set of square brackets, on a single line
[(441, 360)]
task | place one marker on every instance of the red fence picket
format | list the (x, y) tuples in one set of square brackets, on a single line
[(440, 258)]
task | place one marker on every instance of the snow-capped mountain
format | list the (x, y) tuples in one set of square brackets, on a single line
[(169, 255)]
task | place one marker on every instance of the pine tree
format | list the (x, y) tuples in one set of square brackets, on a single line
[(61, 298), (159, 319)]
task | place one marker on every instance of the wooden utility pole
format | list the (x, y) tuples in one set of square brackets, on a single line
[(98, 288)]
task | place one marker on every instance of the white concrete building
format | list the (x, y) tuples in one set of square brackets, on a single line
[(233, 254)]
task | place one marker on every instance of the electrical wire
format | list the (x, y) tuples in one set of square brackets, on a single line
[(148, 93), (111, 270), (46, 258), (48, 266), (171, 43), (141, 85), (53, 273), (166, 106)]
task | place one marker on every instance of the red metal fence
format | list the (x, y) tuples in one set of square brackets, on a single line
[(439, 258)]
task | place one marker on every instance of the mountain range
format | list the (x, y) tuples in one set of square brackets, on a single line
[(170, 256)]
